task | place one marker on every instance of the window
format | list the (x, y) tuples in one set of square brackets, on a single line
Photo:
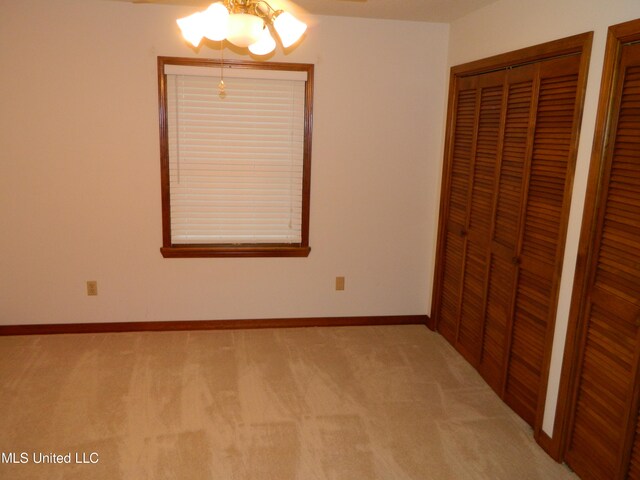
[(235, 167)]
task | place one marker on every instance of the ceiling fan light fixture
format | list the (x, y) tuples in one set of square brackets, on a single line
[(245, 23), (215, 21), (265, 44), (289, 28), (244, 29), (192, 28)]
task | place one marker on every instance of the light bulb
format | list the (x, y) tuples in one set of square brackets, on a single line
[(289, 28), (192, 28), (215, 22), (265, 44), (244, 29)]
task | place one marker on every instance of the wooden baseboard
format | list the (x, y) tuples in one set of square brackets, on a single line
[(58, 328)]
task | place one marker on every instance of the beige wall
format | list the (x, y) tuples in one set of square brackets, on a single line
[(80, 183), (511, 24)]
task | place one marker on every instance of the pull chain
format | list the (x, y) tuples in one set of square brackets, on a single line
[(221, 87)]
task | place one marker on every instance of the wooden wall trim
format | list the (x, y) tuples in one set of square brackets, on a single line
[(555, 48), (168, 326), (548, 444)]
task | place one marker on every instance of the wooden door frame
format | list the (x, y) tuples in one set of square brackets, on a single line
[(577, 44), (617, 36)]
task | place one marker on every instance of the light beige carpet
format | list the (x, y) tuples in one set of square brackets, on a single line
[(349, 403)]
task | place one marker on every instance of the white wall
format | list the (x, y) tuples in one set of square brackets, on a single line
[(80, 171), (507, 25)]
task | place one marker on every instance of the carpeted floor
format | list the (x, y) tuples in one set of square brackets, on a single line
[(392, 402)]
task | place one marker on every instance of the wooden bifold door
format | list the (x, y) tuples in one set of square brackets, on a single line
[(512, 133), (602, 426)]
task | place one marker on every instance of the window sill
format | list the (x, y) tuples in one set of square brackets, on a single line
[(204, 251)]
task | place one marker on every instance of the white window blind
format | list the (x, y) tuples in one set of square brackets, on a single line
[(235, 164)]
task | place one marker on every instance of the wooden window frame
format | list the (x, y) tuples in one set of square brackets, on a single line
[(171, 250)]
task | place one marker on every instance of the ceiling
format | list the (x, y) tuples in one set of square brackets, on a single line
[(418, 10)]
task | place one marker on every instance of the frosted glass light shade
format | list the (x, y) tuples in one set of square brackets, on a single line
[(192, 28), (215, 22), (289, 28), (265, 44), (244, 29)]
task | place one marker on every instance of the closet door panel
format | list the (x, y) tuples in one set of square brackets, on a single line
[(543, 229), (497, 321), (527, 343), (480, 215), (470, 322), (450, 294), (516, 145), (463, 146), (463, 149), (605, 414), (633, 471), (605, 388)]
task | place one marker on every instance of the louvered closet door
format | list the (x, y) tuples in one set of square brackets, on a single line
[(603, 438), (463, 149), (507, 203), (543, 229), (517, 142), (478, 118), (480, 213)]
